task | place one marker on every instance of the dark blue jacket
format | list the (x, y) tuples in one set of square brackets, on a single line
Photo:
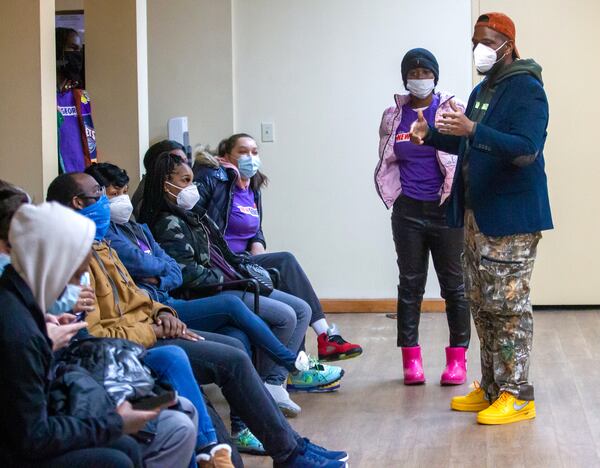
[(123, 238), (508, 190), (216, 197)]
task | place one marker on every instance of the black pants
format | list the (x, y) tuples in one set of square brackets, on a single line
[(222, 360), (124, 453), (419, 228), (293, 279)]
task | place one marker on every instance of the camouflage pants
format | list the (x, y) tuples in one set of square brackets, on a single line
[(497, 275)]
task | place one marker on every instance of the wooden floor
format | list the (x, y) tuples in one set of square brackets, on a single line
[(382, 423)]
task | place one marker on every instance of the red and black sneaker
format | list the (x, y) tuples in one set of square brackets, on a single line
[(332, 347)]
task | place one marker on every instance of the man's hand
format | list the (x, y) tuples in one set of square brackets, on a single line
[(61, 334), (455, 123), (419, 129), (135, 420), (86, 300), (172, 327), (158, 331)]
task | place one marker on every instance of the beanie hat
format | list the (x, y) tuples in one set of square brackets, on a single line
[(415, 58)]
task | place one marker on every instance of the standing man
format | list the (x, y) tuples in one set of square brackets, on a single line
[(500, 195)]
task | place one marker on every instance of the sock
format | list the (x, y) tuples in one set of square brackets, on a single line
[(320, 326)]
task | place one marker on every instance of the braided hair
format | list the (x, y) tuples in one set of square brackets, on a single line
[(154, 197)]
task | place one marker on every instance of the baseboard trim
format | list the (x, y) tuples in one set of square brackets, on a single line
[(374, 306)]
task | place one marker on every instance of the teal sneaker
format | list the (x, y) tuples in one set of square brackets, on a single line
[(318, 376), (246, 442)]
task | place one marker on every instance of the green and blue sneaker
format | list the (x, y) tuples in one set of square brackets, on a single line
[(246, 442), (318, 378)]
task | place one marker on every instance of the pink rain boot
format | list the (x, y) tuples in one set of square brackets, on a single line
[(455, 372), (413, 366)]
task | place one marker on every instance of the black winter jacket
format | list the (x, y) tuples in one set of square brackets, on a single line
[(215, 186), (35, 433), (187, 237)]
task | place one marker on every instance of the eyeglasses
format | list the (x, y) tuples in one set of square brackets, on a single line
[(99, 191)]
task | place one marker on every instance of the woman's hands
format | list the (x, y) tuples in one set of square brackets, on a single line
[(257, 248)]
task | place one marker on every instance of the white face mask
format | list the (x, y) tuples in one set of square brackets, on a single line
[(485, 57), (120, 209), (420, 88), (188, 197)]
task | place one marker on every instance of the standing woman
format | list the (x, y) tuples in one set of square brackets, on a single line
[(416, 181), (76, 134), (230, 191)]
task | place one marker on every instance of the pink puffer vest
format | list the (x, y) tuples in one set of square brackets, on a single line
[(387, 173)]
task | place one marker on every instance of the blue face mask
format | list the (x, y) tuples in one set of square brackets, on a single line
[(248, 165), (99, 212), (4, 262), (66, 301)]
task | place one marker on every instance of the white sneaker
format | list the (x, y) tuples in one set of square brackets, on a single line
[(283, 400), (302, 362)]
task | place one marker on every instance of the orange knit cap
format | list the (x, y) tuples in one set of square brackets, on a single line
[(501, 23)]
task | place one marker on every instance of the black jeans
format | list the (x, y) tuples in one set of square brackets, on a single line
[(420, 227), (222, 360), (293, 279)]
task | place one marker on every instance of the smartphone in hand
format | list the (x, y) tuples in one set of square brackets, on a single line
[(151, 403), (80, 316)]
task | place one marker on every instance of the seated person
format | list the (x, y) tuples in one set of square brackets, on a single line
[(169, 363), (50, 249), (156, 272), (192, 239), (230, 192), (169, 146), (123, 311)]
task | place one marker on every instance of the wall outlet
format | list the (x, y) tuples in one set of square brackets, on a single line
[(266, 132)]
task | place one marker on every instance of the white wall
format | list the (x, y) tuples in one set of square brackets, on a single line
[(190, 67), (323, 72)]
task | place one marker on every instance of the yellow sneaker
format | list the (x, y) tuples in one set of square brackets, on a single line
[(507, 409), (473, 401)]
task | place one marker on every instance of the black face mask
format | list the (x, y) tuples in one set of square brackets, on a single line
[(71, 65)]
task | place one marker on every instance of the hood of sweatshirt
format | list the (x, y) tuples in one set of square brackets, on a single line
[(48, 244), (520, 67)]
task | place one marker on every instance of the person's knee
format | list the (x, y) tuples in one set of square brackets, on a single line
[(303, 312), (233, 304), (288, 258), (285, 317), (182, 428)]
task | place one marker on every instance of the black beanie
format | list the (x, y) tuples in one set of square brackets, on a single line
[(415, 58)]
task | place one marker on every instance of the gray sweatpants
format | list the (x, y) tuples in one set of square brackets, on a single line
[(175, 440)]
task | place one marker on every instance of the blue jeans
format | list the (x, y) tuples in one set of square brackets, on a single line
[(288, 316), (224, 313), (171, 364)]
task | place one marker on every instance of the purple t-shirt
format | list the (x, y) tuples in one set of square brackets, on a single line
[(69, 133), (244, 220), (420, 173)]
